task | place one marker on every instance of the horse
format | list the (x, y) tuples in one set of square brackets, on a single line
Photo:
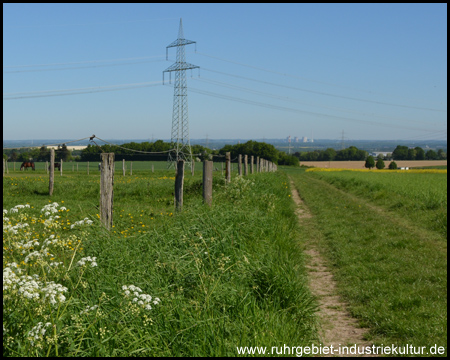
[(57, 165), (27, 164)]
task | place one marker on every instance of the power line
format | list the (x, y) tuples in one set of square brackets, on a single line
[(48, 93), (298, 101), (324, 93), (84, 62), (296, 77), (80, 67), (245, 101)]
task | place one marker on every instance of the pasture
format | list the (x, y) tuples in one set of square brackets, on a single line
[(218, 277), (208, 279)]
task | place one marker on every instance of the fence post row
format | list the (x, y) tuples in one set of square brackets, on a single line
[(239, 164), (245, 165), (179, 179), (228, 167), (52, 172), (207, 181), (106, 189)]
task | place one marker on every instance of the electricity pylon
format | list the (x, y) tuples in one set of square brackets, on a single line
[(180, 120)]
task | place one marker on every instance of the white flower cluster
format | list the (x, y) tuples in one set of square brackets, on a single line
[(88, 259), (81, 222), (50, 209), (88, 309), (54, 292), (38, 332), (38, 254), (14, 229), (30, 287), (142, 300)]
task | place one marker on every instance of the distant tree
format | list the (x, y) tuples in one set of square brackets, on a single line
[(327, 155), (25, 156), (63, 153), (431, 155), (400, 153), (441, 154), (420, 153), (14, 155), (44, 154), (370, 162), (380, 164), (411, 154), (393, 165)]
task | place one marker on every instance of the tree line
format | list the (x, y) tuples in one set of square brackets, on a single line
[(250, 148), (139, 152), (354, 154)]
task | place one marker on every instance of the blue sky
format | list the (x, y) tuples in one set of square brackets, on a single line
[(376, 71)]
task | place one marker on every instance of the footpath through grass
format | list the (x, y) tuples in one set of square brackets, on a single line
[(197, 283), (391, 269)]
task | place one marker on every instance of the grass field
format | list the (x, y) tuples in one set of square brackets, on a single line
[(385, 236), (221, 277)]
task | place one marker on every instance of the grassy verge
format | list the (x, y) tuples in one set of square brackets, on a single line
[(220, 277), (392, 272)]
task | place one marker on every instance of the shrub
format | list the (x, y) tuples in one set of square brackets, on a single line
[(380, 164), (393, 165)]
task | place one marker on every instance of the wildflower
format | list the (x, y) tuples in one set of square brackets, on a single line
[(142, 300), (83, 261)]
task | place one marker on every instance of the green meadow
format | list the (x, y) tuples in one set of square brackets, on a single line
[(206, 280), (196, 283)]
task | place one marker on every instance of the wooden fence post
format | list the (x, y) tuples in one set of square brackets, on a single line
[(257, 164), (179, 180), (245, 165), (52, 172), (239, 164), (61, 166), (227, 167), (251, 164), (123, 166), (106, 189), (131, 168), (207, 181)]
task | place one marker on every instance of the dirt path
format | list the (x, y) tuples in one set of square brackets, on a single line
[(338, 327)]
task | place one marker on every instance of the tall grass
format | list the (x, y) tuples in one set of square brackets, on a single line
[(391, 270), (220, 277)]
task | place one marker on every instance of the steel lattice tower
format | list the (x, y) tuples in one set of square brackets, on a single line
[(180, 120)]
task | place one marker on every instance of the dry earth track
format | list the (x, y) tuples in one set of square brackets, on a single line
[(338, 327)]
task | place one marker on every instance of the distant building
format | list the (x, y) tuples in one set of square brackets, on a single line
[(304, 139), (296, 139), (384, 154)]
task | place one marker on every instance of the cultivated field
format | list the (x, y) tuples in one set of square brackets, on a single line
[(360, 164)]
